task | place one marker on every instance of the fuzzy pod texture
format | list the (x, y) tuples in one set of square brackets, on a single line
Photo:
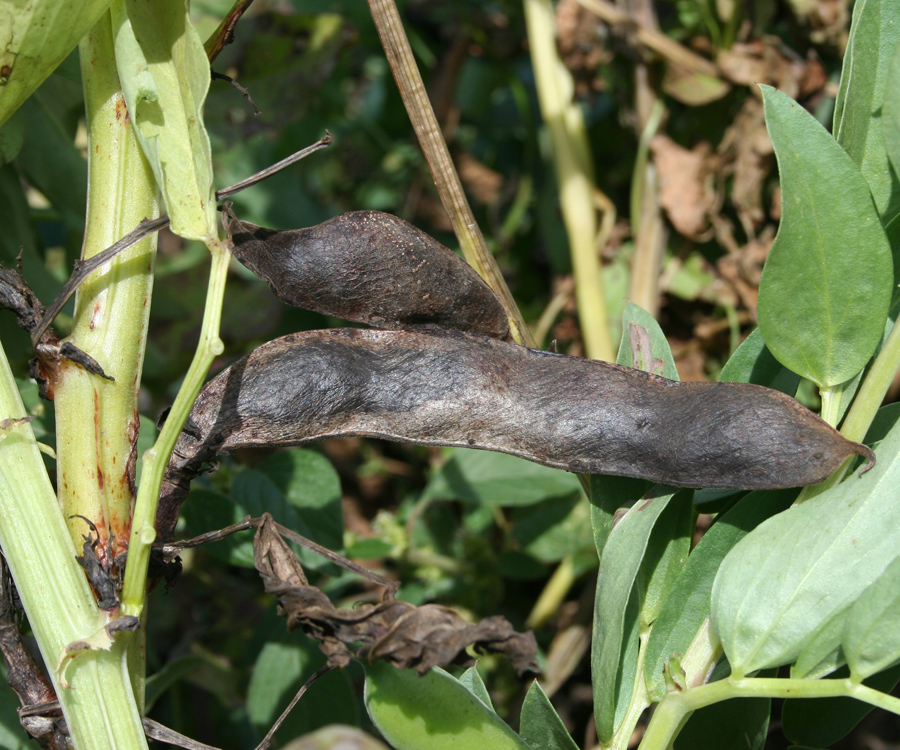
[(373, 268), (451, 388)]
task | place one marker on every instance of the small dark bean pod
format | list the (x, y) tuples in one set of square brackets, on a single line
[(451, 388), (371, 268)]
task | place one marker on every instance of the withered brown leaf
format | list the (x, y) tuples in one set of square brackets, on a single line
[(405, 635)]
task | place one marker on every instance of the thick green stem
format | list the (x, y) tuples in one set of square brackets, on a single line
[(572, 159), (98, 704), (97, 419), (143, 532)]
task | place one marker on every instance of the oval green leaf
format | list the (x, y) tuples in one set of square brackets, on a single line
[(615, 623), (871, 640), (540, 725), (165, 76), (432, 712), (800, 570), (826, 286)]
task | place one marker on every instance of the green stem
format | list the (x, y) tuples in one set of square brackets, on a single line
[(639, 174), (873, 389), (554, 593), (96, 419), (638, 702), (143, 532), (674, 709), (99, 705), (831, 404), (864, 408), (572, 159)]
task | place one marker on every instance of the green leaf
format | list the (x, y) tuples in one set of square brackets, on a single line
[(821, 722), (687, 605), (871, 639), (890, 127), (752, 362), (12, 135), (619, 566), (644, 346), (800, 569), (170, 673), (498, 479), (308, 482), (165, 77), (553, 529), (826, 286), (49, 150), (608, 494), (12, 736), (283, 664), (35, 37), (472, 680), (540, 725), (866, 107), (666, 555), (737, 724), (277, 668), (432, 712), (369, 549)]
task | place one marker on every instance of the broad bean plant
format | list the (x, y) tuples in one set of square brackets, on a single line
[(792, 592)]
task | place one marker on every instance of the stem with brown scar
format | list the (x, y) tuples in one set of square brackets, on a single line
[(96, 419)]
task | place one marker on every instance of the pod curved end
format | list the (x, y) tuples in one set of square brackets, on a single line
[(868, 454)]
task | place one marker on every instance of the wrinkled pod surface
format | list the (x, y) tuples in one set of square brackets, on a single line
[(452, 388), (373, 268)]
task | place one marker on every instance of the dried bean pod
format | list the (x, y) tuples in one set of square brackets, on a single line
[(451, 388), (372, 268)]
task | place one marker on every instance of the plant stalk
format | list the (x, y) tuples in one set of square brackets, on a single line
[(864, 408), (98, 705), (97, 420), (431, 139), (676, 707), (143, 531), (572, 160)]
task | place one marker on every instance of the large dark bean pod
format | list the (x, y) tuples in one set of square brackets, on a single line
[(451, 388), (372, 268)]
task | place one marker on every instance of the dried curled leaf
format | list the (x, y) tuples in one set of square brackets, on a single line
[(451, 388), (401, 633), (371, 267), (16, 295)]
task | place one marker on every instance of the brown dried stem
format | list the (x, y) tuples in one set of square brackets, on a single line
[(431, 139)]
